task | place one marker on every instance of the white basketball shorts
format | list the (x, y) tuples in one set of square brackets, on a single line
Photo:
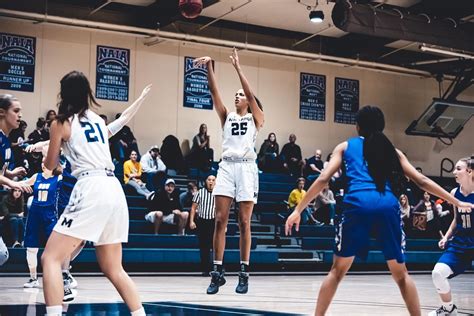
[(237, 180), (97, 211)]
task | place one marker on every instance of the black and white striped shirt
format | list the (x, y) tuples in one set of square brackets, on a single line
[(206, 204)]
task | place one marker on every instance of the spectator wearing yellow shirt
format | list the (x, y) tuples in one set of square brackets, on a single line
[(296, 195), (132, 172)]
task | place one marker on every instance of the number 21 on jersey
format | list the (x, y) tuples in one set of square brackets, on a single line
[(91, 132)]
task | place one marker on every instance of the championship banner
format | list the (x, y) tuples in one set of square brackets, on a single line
[(112, 73), (17, 62), (312, 97)]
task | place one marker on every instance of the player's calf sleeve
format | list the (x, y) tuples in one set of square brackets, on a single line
[(440, 274)]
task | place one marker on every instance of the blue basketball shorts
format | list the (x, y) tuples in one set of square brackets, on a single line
[(39, 225), (367, 213)]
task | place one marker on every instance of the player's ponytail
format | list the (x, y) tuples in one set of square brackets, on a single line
[(75, 96), (258, 103), (380, 154)]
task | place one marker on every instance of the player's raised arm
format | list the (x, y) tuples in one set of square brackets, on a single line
[(256, 110), (215, 94)]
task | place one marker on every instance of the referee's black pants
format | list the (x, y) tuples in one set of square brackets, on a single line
[(205, 233)]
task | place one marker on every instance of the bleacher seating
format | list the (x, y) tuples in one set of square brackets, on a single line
[(309, 248)]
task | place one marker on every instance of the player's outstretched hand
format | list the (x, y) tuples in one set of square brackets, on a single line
[(20, 186), (145, 91), (442, 243), (201, 61), (293, 219), (235, 58), (464, 207)]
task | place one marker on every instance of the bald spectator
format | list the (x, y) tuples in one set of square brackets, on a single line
[(291, 157), (314, 166)]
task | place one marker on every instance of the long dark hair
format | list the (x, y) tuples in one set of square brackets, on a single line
[(75, 97), (260, 105), (382, 158)]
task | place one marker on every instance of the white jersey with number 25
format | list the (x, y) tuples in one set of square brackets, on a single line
[(238, 136)]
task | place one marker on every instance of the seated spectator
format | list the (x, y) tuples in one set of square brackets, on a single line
[(314, 166), (172, 156), (291, 157), (154, 169), (186, 198), (325, 206), (13, 206), (18, 142), (295, 198), (50, 117), (165, 207), (132, 173), (201, 154), (405, 209), (268, 156), (425, 216), (40, 134), (123, 143)]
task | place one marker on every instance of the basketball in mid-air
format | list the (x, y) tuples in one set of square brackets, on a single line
[(190, 8)]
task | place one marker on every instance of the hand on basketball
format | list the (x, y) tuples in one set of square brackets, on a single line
[(464, 207), (235, 58), (293, 219), (145, 91), (201, 61)]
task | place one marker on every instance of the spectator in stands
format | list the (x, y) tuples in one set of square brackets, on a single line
[(202, 217), (132, 173), (268, 156), (172, 156), (295, 197), (166, 208), (314, 166), (201, 154), (123, 143), (186, 198), (292, 158), (50, 116), (325, 206), (18, 141), (12, 209), (40, 134), (406, 210), (425, 216), (154, 169)]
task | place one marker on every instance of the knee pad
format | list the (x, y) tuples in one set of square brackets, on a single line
[(32, 257), (440, 275), (3, 252)]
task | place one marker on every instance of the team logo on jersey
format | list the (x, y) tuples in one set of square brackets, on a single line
[(66, 222)]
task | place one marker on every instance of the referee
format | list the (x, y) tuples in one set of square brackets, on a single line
[(202, 217)]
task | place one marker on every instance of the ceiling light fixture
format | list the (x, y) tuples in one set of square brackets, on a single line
[(445, 52), (316, 16)]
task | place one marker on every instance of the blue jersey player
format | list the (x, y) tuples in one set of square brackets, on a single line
[(42, 216), (375, 171), (458, 240)]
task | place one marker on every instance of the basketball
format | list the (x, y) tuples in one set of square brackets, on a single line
[(190, 8)]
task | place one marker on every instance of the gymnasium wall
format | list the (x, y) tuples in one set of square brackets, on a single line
[(275, 81)]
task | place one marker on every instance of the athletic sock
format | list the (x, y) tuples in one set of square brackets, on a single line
[(56, 310), (139, 312), (448, 306), (244, 266), (217, 266)]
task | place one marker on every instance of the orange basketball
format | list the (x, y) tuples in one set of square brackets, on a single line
[(190, 8)]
